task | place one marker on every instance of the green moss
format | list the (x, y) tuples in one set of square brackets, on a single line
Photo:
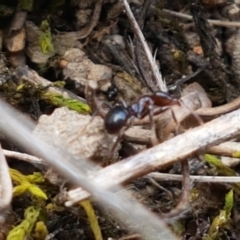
[(45, 40), (58, 100), (26, 5)]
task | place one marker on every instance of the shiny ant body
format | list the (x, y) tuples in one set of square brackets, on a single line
[(118, 116)]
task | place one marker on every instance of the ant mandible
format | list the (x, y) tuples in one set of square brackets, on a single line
[(118, 116)]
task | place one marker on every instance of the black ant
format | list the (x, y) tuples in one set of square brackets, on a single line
[(118, 116)]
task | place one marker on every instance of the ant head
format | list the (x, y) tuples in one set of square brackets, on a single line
[(115, 119), (112, 93)]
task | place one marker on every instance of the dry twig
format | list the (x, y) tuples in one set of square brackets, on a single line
[(23, 156), (85, 32), (157, 75), (213, 22), (216, 111), (175, 177), (162, 155)]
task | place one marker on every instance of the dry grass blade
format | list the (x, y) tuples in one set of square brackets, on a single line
[(213, 22), (77, 171), (157, 75), (5, 186)]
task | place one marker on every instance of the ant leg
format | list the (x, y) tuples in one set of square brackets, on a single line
[(195, 115), (120, 135), (186, 188), (175, 120), (123, 102), (151, 113), (166, 125), (97, 112), (116, 143), (182, 205)]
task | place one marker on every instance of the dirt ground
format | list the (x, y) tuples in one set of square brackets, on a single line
[(107, 81)]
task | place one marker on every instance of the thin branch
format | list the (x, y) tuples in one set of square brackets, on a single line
[(85, 32), (175, 177), (23, 156), (157, 75), (213, 22), (216, 111)]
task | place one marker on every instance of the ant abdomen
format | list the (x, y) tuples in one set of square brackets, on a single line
[(162, 99), (116, 119)]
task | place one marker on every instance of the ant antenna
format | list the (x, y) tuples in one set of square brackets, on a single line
[(92, 101), (123, 102)]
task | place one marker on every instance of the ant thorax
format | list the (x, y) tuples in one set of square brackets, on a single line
[(141, 108)]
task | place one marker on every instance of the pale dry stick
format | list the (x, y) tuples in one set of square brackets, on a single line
[(77, 171), (216, 111), (138, 135), (225, 149), (213, 22), (156, 73), (165, 154), (146, 137), (6, 188), (176, 177), (131, 237), (23, 156)]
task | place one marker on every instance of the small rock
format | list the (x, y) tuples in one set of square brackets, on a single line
[(62, 43), (80, 135), (34, 51), (83, 17), (36, 55), (98, 72), (16, 42), (81, 69)]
